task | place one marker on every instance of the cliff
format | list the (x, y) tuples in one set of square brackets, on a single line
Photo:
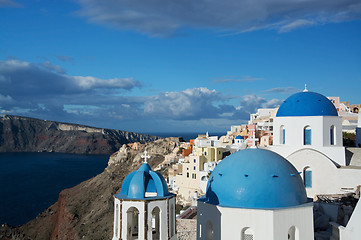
[(86, 210), (23, 134)]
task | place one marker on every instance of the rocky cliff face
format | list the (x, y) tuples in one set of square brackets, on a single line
[(22, 134), (86, 210)]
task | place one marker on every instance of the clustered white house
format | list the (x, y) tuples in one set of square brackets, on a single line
[(206, 154), (257, 193)]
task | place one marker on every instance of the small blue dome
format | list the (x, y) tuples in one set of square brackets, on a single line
[(239, 137), (306, 104), (137, 183), (255, 178)]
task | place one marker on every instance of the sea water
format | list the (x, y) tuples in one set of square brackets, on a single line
[(31, 182)]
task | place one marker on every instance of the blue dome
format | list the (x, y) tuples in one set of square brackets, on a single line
[(255, 178), (306, 104), (239, 137), (137, 183)]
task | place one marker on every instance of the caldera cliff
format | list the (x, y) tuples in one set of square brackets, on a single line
[(24, 134)]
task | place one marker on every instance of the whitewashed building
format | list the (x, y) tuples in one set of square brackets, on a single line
[(308, 133), (144, 209), (263, 119), (255, 194)]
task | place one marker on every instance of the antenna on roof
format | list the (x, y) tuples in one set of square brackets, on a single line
[(305, 88), (145, 156)]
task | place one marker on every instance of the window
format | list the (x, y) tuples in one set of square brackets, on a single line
[(155, 224), (194, 160), (307, 177), (205, 153), (293, 233), (332, 135), (187, 174), (247, 234), (307, 135), (282, 135), (132, 223), (209, 231), (194, 168)]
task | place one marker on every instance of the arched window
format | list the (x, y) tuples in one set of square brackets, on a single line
[(282, 135), (209, 231), (332, 135), (156, 223), (132, 223), (307, 134), (247, 234), (307, 177), (293, 233)]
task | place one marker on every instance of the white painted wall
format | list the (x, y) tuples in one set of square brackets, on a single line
[(320, 125), (172, 219), (326, 177), (117, 217), (271, 224)]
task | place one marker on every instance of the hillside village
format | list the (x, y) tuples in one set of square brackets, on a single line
[(307, 130)]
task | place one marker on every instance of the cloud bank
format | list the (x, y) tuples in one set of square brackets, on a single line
[(164, 18), (45, 91)]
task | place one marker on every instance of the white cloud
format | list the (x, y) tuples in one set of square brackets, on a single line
[(299, 23), (48, 65), (287, 90), (193, 103), (89, 82), (41, 90), (250, 103), (164, 18)]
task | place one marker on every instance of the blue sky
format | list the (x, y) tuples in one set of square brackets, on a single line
[(173, 66)]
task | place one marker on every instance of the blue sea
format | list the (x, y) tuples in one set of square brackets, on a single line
[(31, 182)]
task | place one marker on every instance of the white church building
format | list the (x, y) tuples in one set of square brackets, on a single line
[(255, 194), (308, 133), (144, 209)]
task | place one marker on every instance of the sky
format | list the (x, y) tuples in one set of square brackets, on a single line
[(173, 66)]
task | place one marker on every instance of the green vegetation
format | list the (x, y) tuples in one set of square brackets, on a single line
[(349, 139)]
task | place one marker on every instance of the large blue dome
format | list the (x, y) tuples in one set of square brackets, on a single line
[(255, 178), (306, 104), (142, 181)]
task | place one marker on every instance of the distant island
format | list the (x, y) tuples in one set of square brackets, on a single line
[(24, 134)]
